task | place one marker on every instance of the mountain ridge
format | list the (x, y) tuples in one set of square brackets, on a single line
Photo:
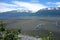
[(24, 14)]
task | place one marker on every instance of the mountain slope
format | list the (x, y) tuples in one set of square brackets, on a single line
[(48, 13), (15, 14), (28, 14)]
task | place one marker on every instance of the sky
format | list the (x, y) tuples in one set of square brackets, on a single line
[(33, 5)]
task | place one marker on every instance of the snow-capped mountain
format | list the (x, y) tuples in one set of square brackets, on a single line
[(51, 8), (21, 11), (18, 10), (49, 12), (52, 12), (16, 14)]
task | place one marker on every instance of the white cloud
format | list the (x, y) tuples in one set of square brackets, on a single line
[(5, 4), (31, 6), (49, 3), (7, 7), (54, 3), (58, 4), (20, 5)]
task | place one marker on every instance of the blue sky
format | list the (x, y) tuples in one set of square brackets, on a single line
[(33, 5)]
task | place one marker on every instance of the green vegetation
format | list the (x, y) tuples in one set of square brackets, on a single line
[(49, 36), (6, 34)]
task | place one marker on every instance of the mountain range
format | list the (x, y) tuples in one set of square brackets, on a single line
[(46, 12)]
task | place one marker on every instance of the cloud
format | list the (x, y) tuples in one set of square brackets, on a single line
[(31, 6), (58, 4), (20, 5), (49, 3), (54, 3), (6, 7)]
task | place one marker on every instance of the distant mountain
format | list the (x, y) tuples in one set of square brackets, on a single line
[(51, 8), (15, 14), (47, 12), (21, 11)]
